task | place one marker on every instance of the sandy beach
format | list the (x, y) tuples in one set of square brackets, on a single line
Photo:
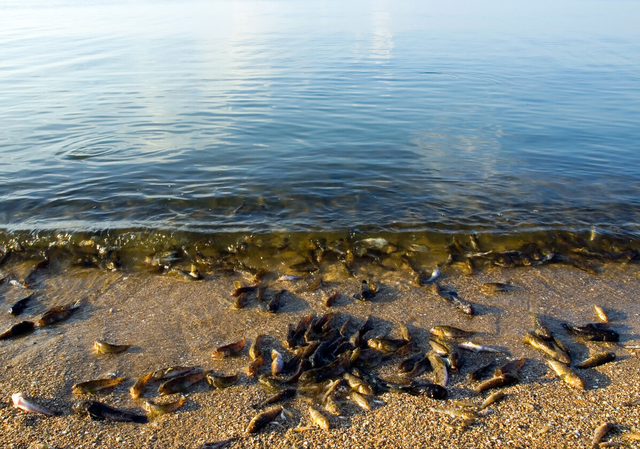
[(172, 321)]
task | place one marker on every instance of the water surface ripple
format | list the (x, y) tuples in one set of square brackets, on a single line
[(503, 117)]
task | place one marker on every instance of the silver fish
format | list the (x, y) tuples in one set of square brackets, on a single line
[(20, 402)]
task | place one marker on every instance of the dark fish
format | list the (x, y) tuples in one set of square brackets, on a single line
[(478, 373), (329, 300), (20, 306), (366, 293), (281, 395), (408, 364), (102, 412), (219, 444), (428, 389), (597, 360), (229, 350), (593, 332), (263, 418), (274, 304), (495, 287), (57, 314), (511, 367), (23, 328)]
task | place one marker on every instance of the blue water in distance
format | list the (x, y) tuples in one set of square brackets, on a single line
[(492, 116)]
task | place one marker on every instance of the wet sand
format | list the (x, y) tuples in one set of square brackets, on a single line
[(173, 321)]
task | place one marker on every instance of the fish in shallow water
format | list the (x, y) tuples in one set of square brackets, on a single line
[(102, 412), (93, 386), (20, 402)]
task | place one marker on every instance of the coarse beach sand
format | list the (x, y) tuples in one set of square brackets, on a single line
[(172, 321)]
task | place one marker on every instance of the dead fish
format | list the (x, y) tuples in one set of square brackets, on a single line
[(102, 412), (154, 409), (20, 402), (435, 274), (93, 386), (274, 304), (172, 372), (58, 313), (289, 278), (140, 386), (319, 419), (597, 359), (20, 306), (491, 288), (491, 399), (497, 382), (229, 350), (478, 373), (408, 364), (386, 345), (475, 347), (600, 313), (241, 301), (360, 400), (539, 328), (540, 344), (254, 349), (252, 369), (329, 300), (358, 384), (331, 406), (23, 328), (600, 433), (102, 347), (511, 367), (277, 362), (263, 418), (221, 382), (450, 332), (593, 332), (315, 285), (219, 444), (281, 395), (180, 384), (456, 413), (366, 292), (565, 373), (439, 369)]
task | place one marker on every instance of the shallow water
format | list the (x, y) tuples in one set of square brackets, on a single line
[(257, 117)]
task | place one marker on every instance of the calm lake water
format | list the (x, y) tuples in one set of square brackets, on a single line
[(399, 116)]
